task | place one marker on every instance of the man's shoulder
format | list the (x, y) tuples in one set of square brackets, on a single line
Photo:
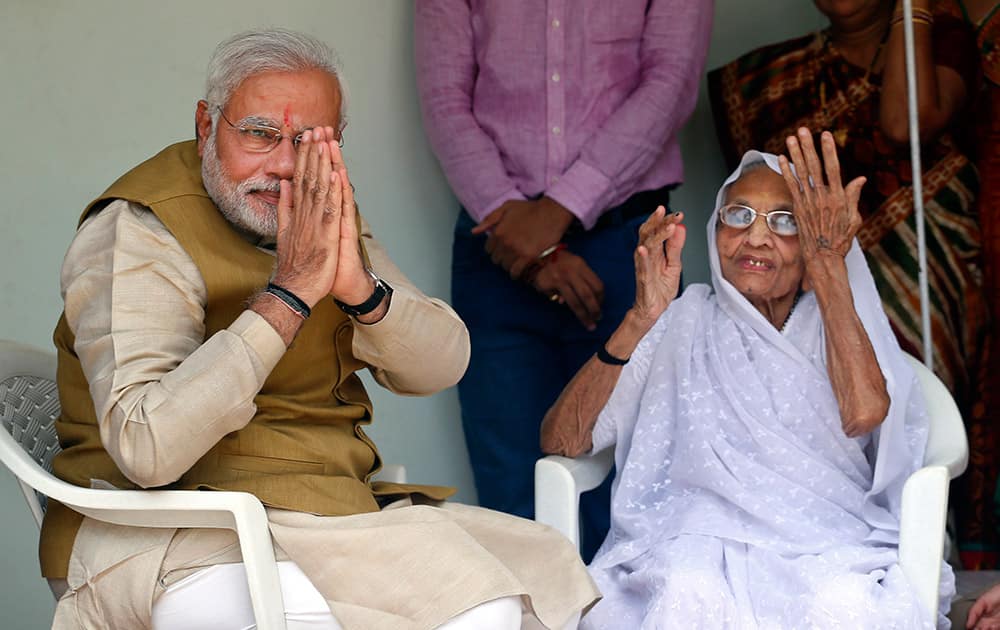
[(172, 173)]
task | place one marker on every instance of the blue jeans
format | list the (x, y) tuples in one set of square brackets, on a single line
[(525, 349)]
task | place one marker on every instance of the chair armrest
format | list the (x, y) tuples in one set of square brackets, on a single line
[(946, 441), (238, 511), (559, 482), (921, 532), (393, 473)]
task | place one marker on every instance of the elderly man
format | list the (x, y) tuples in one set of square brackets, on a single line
[(219, 300)]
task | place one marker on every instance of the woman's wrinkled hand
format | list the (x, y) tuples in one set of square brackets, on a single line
[(658, 264), (826, 211)]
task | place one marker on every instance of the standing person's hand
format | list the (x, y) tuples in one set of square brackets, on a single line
[(520, 230), (985, 613), (658, 264), (308, 240), (569, 280)]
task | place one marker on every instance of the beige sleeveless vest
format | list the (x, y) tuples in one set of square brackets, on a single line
[(304, 450)]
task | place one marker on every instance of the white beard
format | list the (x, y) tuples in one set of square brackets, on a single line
[(233, 199)]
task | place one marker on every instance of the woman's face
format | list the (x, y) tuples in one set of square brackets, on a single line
[(764, 267), (850, 11)]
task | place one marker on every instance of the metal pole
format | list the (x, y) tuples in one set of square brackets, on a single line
[(918, 187)]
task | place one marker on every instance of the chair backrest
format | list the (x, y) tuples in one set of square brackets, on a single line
[(946, 444), (29, 406)]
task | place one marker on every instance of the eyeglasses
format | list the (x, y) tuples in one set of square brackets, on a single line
[(740, 217), (261, 138)]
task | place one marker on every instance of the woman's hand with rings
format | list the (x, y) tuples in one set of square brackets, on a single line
[(826, 211)]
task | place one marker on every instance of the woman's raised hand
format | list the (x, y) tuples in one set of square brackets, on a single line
[(826, 211), (658, 263)]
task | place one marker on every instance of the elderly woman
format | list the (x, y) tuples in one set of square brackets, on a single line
[(851, 78), (764, 426)]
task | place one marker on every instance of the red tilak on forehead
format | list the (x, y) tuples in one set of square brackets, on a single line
[(288, 115)]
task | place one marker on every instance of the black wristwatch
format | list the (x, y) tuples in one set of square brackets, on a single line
[(381, 292)]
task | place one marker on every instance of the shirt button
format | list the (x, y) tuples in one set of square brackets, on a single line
[(555, 23), (555, 77), (556, 130)]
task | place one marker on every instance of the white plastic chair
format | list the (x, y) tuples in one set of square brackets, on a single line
[(29, 406), (559, 481)]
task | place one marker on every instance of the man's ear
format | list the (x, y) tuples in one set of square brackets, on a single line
[(202, 124)]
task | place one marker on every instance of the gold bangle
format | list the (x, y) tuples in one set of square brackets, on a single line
[(915, 20), (915, 11)]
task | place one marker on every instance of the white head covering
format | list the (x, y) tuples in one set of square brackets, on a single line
[(728, 428), (894, 461)]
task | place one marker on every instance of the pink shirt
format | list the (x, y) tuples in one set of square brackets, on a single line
[(581, 100)]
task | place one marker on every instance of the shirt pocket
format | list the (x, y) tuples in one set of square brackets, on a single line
[(616, 21)]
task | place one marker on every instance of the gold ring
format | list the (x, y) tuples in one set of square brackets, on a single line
[(554, 297)]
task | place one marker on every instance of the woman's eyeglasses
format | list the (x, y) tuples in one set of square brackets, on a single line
[(740, 217)]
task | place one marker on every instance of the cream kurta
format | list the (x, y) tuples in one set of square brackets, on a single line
[(124, 279)]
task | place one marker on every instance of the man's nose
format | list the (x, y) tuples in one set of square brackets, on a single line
[(281, 160)]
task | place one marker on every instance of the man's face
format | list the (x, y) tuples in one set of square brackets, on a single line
[(244, 183)]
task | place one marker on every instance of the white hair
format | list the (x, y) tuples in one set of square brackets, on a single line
[(267, 50)]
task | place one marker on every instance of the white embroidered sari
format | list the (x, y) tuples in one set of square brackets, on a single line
[(739, 502)]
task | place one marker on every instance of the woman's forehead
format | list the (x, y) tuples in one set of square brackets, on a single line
[(759, 186)]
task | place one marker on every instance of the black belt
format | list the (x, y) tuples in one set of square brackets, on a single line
[(642, 203)]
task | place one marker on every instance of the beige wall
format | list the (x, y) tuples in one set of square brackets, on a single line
[(92, 88)]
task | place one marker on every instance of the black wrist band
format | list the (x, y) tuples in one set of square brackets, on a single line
[(606, 357), (381, 291), (293, 301)]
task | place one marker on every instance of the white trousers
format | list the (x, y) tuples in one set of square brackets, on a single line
[(217, 598)]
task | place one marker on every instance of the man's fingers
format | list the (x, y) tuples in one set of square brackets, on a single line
[(310, 179), (284, 204), (349, 229), (576, 304), (324, 183), (490, 222), (334, 199), (336, 155), (594, 283), (299, 176)]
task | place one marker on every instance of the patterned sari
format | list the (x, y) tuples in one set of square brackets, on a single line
[(764, 96), (985, 458)]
